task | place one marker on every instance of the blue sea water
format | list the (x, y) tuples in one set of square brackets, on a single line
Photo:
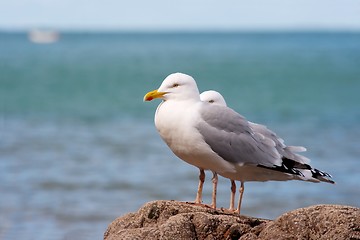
[(78, 146)]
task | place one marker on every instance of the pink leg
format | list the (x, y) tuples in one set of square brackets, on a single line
[(241, 191), (215, 182), (232, 196), (198, 198)]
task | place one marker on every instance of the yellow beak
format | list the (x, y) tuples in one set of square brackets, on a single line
[(153, 94)]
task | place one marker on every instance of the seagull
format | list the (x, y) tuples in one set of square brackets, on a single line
[(215, 97), (215, 137)]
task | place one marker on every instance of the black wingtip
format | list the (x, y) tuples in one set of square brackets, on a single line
[(322, 176), (327, 180), (292, 167)]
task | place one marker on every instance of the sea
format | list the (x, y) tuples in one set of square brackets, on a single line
[(78, 146)]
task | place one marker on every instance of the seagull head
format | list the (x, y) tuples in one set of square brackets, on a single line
[(176, 86), (213, 97)]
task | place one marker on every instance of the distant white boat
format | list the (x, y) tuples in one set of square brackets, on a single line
[(43, 36)]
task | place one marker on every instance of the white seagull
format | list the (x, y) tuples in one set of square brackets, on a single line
[(215, 137)]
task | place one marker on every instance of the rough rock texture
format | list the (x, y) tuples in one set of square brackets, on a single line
[(316, 222), (179, 220)]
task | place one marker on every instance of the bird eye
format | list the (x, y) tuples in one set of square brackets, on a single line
[(211, 101), (175, 85)]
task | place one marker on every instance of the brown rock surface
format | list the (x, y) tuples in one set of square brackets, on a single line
[(316, 222), (179, 220)]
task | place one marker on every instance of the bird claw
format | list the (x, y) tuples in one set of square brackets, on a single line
[(200, 204)]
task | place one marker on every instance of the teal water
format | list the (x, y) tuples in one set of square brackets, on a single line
[(78, 146)]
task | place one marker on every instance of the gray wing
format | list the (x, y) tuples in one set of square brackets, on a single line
[(289, 152), (237, 141), (231, 137)]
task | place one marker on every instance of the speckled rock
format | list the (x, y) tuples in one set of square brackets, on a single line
[(316, 222), (179, 220)]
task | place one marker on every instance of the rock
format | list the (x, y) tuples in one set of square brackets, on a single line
[(316, 222), (179, 220)]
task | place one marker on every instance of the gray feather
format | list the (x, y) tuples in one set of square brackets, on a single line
[(230, 136)]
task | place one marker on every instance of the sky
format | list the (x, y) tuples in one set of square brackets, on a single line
[(171, 15)]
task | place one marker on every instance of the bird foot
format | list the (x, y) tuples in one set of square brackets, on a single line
[(200, 204), (229, 210)]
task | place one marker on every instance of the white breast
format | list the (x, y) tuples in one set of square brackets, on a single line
[(178, 130)]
